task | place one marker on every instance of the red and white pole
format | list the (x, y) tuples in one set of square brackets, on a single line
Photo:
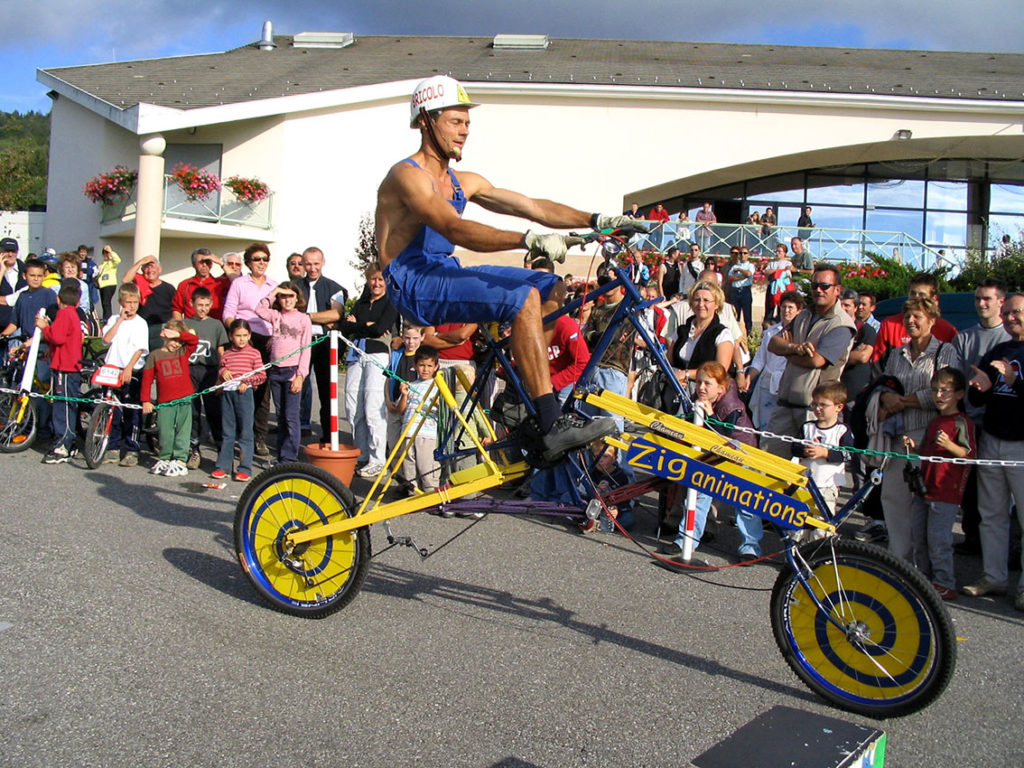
[(691, 503), (334, 390)]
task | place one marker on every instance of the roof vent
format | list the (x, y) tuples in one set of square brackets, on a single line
[(266, 42), (323, 40), (520, 42)]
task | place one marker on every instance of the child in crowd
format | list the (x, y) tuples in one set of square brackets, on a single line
[(403, 366), (825, 460), (951, 435), (291, 334), (718, 397), (203, 366), (64, 338), (237, 407), (128, 337), (27, 302), (168, 366), (780, 279), (420, 464)]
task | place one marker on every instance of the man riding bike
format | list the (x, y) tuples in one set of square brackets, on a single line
[(419, 222)]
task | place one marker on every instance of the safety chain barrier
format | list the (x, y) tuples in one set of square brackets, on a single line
[(157, 406), (867, 451), (353, 347)]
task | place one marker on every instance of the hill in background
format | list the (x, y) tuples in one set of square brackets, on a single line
[(24, 153)]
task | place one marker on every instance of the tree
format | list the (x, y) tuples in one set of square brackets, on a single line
[(24, 151), (366, 248), (23, 170)]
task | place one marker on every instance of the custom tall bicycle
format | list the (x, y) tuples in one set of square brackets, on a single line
[(860, 627)]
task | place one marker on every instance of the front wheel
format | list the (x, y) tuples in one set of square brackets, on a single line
[(317, 578), (17, 422), (97, 434), (881, 644)]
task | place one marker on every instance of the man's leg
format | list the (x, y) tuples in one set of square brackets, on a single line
[(530, 352), (528, 347), (994, 505)]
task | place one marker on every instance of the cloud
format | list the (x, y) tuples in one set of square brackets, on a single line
[(134, 29), (55, 33)]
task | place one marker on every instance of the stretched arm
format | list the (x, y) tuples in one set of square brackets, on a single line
[(546, 212), (133, 270)]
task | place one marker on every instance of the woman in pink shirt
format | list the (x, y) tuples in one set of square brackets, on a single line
[(243, 296)]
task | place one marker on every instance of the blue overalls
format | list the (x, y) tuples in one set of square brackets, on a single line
[(429, 286)]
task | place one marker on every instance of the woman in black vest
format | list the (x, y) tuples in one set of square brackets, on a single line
[(703, 337)]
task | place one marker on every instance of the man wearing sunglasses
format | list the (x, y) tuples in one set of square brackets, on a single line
[(815, 345)]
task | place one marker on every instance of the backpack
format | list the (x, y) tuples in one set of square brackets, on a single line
[(858, 421)]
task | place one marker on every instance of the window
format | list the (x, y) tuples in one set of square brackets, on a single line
[(1006, 197), (834, 190), (947, 195), (909, 222), (898, 193)]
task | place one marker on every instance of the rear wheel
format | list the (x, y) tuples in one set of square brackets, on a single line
[(883, 645), (17, 422), (97, 435), (316, 578)]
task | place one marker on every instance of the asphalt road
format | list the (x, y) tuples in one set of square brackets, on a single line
[(130, 637)]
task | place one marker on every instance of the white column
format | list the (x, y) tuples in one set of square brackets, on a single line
[(149, 196)]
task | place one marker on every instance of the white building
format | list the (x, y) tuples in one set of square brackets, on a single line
[(925, 142)]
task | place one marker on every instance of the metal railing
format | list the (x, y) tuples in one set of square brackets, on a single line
[(824, 244), (219, 208)]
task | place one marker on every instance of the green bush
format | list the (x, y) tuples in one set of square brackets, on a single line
[(884, 276), (1007, 269)]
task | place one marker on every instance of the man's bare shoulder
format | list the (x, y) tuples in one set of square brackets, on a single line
[(403, 173), (472, 183)]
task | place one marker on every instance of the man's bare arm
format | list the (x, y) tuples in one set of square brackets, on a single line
[(546, 212), (408, 199)]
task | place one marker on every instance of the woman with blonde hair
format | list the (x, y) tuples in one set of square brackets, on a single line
[(703, 337)]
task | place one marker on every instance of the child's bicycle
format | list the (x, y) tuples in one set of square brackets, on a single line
[(106, 379), (18, 418), (860, 627)]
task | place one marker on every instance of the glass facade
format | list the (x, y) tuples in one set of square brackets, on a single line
[(947, 204)]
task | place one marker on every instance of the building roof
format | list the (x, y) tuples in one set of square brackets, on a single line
[(248, 74)]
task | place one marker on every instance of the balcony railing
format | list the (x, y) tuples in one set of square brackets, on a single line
[(219, 208), (824, 244)]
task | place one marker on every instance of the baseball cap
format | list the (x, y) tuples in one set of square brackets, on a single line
[(8, 244)]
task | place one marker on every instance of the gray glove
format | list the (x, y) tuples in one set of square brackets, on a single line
[(552, 246), (604, 221)]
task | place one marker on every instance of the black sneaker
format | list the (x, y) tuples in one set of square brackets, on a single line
[(58, 455), (572, 431), (671, 548), (874, 532)]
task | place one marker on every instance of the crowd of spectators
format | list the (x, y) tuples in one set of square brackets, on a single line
[(923, 385)]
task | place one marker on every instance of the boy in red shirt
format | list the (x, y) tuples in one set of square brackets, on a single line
[(64, 339), (951, 435), (168, 366)]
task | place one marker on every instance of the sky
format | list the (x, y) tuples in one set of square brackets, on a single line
[(54, 33)]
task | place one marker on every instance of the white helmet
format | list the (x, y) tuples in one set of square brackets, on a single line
[(438, 92)]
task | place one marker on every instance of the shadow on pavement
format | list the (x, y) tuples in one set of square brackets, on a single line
[(409, 585)]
